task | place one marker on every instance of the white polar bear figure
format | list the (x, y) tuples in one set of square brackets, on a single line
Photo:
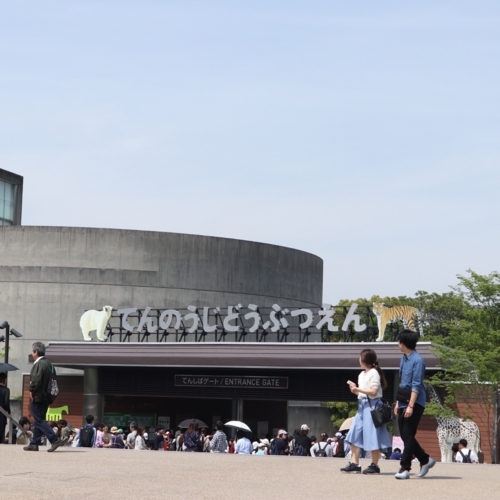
[(95, 320)]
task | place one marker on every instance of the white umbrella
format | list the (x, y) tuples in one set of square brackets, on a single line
[(347, 424), (236, 424)]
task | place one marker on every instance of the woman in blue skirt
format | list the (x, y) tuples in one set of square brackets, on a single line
[(363, 433)]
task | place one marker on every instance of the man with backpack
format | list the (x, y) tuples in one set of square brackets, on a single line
[(42, 382), (279, 445), (322, 448), (464, 455), (303, 442), (88, 433)]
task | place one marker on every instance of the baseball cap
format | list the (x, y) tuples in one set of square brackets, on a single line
[(304, 427), (338, 434), (282, 431)]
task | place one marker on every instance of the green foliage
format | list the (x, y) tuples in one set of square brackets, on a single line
[(341, 411)]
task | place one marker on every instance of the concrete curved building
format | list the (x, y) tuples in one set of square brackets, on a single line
[(50, 275)]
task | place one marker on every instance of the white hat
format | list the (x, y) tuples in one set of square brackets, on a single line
[(255, 445), (282, 431), (262, 445), (265, 442), (304, 427), (338, 434)]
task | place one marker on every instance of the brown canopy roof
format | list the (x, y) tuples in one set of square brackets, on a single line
[(230, 355)]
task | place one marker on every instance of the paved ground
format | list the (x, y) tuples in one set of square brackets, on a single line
[(119, 474)]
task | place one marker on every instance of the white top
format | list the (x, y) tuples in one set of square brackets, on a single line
[(465, 451), (369, 380), (140, 444), (324, 446)]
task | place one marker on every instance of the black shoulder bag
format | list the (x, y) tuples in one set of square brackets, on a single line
[(381, 415)]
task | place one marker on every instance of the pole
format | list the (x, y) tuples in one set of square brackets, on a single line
[(7, 335)]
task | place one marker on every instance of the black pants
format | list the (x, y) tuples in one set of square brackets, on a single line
[(3, 423), (408, 429), (40, 425)]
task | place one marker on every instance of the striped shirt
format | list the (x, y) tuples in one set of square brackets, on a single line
[(219, 442)]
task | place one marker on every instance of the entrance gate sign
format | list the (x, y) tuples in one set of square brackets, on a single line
[(229, 381), (242, 323)]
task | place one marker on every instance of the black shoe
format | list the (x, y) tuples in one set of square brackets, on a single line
[(31, 447), (356, 469), (372, 469), (56, 444)]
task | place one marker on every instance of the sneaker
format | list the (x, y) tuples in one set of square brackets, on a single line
[(356, 469), (56, 444), (424, 469), (372, 469), (31, 447), (402, 474)]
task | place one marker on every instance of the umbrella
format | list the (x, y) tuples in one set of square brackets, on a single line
[(6, 367), (346, 424), (186, 423), (236, 424)]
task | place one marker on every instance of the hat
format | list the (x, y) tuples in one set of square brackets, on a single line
[(338, 434), (255, 445), (261, 445), (304, 427), (120, 431), (114, 430), (282, 431), (265, 442)]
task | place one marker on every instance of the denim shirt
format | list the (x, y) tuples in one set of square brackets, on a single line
[(411, 376)]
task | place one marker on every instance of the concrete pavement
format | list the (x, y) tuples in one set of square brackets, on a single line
[(120, 474)]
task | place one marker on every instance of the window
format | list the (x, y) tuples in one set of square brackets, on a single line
[(7, 191)]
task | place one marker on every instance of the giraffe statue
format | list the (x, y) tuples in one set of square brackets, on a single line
[(452, 430)]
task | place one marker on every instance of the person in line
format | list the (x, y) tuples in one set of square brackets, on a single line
[(140, 442), (396, 454), (4, 404), (130, 443), (279, 445), (21, 438), (243, 444), (231, 445), (39, 380), (464, 455), (261, 449), (363, 433), (322, 448), (116, 440), (88, 433), (219, 440), (159, 438), (303, 443), (454, 451), (410, 405), (99, 439), (192, 438)]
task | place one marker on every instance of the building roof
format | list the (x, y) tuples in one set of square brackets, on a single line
[(334, 355)]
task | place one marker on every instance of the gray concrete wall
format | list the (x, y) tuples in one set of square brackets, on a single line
[(50, 275), (317, 417)]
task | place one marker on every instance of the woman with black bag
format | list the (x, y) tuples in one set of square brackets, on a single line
[(363, 433)]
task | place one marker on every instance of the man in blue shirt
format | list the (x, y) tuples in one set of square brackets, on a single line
[(243, 445), (410, 405)]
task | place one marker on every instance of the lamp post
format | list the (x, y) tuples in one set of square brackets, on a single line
[(5, 338)]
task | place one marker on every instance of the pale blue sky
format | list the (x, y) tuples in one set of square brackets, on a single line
[(364, 132)]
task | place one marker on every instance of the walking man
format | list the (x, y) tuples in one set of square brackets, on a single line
[(410, 405), (39, 380)]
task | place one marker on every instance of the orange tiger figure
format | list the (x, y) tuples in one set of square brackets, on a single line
[(406, 314)]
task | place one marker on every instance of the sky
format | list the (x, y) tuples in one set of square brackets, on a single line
[(366, 133)]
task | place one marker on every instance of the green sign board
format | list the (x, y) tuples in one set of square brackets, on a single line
[(123, 420)]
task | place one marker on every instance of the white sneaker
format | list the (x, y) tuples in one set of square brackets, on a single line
[(425, 468), (402, 474)]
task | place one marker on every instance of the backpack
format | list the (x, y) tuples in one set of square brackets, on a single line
[(299, 451), (86, 436), (322, 451), (274, 447), (340, 453), (52, 389), (465, 458)]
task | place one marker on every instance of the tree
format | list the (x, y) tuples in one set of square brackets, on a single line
[(340, 411), (470, 350)]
